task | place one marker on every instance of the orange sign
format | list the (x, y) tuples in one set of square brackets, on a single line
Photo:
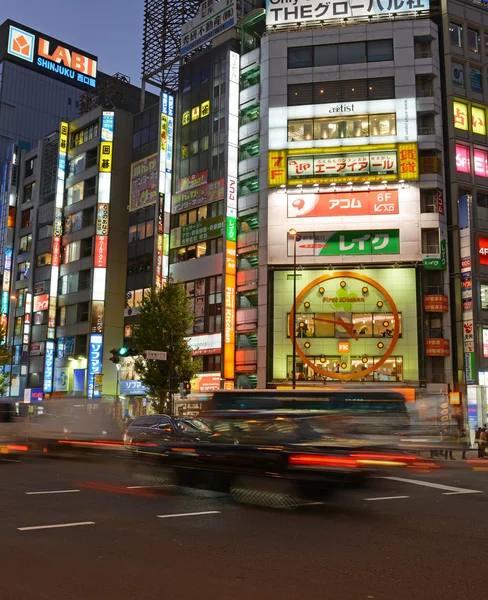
[(437, 347), (454, 398), (439, 303), (344, 347)]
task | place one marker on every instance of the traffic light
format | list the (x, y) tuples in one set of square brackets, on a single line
[(115, 356), (187, 388), (123, 352)]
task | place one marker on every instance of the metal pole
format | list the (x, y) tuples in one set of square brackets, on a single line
[(294, 332)]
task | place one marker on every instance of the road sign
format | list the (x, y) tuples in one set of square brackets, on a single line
[(155, 355)]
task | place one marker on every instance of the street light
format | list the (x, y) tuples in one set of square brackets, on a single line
[(293, 233)]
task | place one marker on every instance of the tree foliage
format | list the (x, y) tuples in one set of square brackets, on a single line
[(163, 321)]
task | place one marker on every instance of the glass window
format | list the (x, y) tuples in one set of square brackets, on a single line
[(72, 252), (141, 231), (25, 243), (381, 125), (75, 193), (363, 324), (43, 259), (194, 148), (474, 41), (23, 270), (352, 53), (29, 192), (379, 50), (18, 325), (484, 294), (202, 213), (45, 232), (456, 35), (149, 228), (204, 143), (384, 325), (381, 88), (299, 131), (132, 233), (300, 57), (325, 55)]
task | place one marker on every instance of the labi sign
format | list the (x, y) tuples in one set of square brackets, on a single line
[(48, 56)]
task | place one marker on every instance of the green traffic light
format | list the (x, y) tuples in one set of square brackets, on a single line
[(123, 351)]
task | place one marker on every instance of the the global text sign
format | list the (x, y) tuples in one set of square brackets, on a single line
[(47, 55), (286, 12)]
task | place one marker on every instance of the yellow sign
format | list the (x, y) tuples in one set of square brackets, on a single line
[(106, 157), (185, 119), (277, 168), (205, 109), (455, 398), (63, 138), (195, 113), (478, 120), (163, 142), (460, 110), (343, 347), (408, 161)]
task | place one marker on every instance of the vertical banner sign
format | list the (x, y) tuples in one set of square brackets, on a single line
[(94, 364), (167, 105), (229, 345), (465, 243), (49, 367)]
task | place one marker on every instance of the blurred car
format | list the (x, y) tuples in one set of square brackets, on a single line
[(267, 454), (164, 427), (13, 436)]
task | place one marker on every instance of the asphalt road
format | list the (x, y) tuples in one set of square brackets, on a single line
[(395, 540)]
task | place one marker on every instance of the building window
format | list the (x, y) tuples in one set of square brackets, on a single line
[(430, 241), (77, 165), (484, 294), (474, 41), (84, 135), (456, 35), (342, 127), (29, 192), (18, 325), (76, 193), (72, 252), (378, 88), (25, 243), (43, 259), (482, 200), (45, 231), (23, 270), (82, 312), (26, 218), (340, 54), (21, 298), (204, 248), (30, 166)]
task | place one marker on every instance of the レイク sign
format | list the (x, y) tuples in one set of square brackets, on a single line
[(284, 12)]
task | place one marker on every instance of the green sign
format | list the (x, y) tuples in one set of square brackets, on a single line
[(197, 232), (231, 229), (437, 264), (335, 243)]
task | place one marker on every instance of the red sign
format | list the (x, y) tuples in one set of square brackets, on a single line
[(483, 250), (41, 302), (101, 243), (193, 181), (56, 258), (437, 347), (343, 204), (466, 263), (207, 383), (440, 202), (437, 303)]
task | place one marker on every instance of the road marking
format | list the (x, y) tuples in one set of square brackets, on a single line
[(386, 498), (52, 492), (192, 514), (140, 487), (56, 526), (449, 488)]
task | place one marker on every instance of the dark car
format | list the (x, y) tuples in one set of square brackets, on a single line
[(160, 428), (266, 456)]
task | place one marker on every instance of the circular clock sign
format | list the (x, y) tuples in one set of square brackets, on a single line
[(347, 332)]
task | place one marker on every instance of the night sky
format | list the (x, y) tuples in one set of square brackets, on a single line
[(110, 29)]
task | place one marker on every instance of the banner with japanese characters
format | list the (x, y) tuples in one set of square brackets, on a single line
[(284, 12), (212, 19), (340, 243), (343, 204), (340, 165), (197, 232)]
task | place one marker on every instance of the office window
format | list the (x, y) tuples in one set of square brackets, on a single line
[(474, 41), (25, 243), (378, 88), (456, 35), (379, 50), (23, 270), (84, 278), (149, 228), (43, 259), (18, 325), (72, 252), (26, 218), (342, 127), (352, 53), (324, 56), (300, 57), (484, 294), (29, 192), (75, 193), (482, 200), (45, 231), (82, 310), (30, 166)]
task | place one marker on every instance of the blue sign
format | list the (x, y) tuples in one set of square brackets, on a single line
[(107, 126), (8, 259), (36, 395), (171, 106), (133, 387), (49, 367), (94, 363), (164, 108), (4, 303), (463, 211), (476, 81)]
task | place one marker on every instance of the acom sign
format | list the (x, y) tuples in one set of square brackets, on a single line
[(44, 54)]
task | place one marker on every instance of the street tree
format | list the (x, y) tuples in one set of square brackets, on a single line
[(164, 320)]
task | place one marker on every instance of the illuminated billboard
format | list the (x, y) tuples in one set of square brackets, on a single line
[(343, 124), (357, 325), (48, 56), (143, 182), (389, 162), (345, 243), (343, 204), (212, 19), (284, 13), (199, 196)]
